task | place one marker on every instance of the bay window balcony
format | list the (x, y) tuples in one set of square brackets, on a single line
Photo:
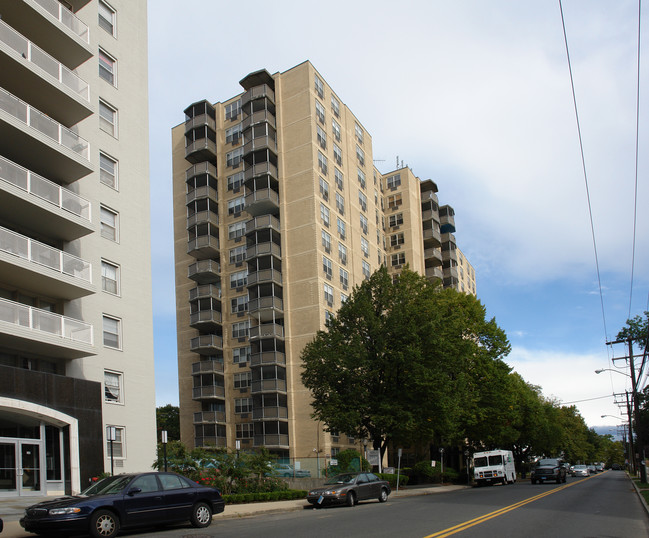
[(205, 272), (206, 344)]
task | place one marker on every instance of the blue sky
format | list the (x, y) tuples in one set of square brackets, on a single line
[(476, 96)]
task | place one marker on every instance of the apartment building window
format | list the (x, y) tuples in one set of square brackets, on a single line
[(324, 214), (109, 220), (366, 269), (363, 222), (107, 118), (107, 67), (233, 134), (113, 387), (242, 380), (240, 355), (241, 329), (342, 228), (398, 259), (327, 266), (328, 294), (342, 253), (340, 203), (107, 17), (335, 128), (238, 254), (324, 189), (338, 178), (242, 405), (344, 278), (236, 205), (358, 130), (360, 154), (115, 448), (319, 112), (328, 317), (321, 137), (322, 163), (236, 230), (245, 431), (338, 155), (396, 220), (362, 200), (235, 181), (343, 298), (365, 246), (233, 158), (319, 86), (393, 181), (233, 110), (326, 241), (110, 277), (396, 240), (335, 106), (107, 170), (239, 304), (394, 201), (112, 332), (361, 178), (239, 279)]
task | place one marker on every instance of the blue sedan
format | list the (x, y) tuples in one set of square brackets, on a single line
[(126, 501)]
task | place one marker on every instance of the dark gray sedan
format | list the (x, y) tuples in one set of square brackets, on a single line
[(349, 488)]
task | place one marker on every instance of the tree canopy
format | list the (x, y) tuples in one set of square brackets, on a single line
[(168, 419)]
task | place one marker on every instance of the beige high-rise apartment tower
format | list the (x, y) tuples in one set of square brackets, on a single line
[(278, 212), (76, 331)]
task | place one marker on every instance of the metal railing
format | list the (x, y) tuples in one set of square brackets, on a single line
[(44, 321), (42, 254), (43, 124), (65, 17), (42, 59), (45, 189)]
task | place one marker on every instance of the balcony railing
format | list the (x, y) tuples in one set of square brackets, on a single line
[(267, 330), (207, 367), (65, 17), (44, 321), (268, 385), (45, 189), (271, 440), (33, 251), (270, 412), (267, 357), (43, 124), (43, 60), (209, 417), (199, 393), (265, 275)]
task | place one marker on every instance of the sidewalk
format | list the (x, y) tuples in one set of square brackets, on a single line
[(11, 510)]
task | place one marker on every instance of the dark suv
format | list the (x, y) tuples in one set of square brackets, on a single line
[(548, 469)]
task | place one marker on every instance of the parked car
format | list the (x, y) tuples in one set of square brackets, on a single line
[(616, 467), (349, 488), (286, 470), (126, 501), (599, 467), (592, 469), (580, 470), (548, 469)]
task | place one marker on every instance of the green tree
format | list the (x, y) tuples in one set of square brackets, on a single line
[(400, 361), (168, 419)]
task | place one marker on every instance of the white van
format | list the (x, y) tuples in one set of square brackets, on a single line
[(494, 466)]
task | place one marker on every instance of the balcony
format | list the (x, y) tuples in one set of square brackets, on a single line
[(262, 142), (43, 145), (201, 150), (268, 385), (51, 26), (451, 272), (207, 367), (204, 292), (433, 257), (30, 265), (41, 80), (258, 92), (262, 222), (206, 344), (203, 217), (208, 393), (434, 273), (210, 442), (205, 272), (272, 441), (263, 308), (267, 358), (265, 276), (32, 330), (262, 201), (200, 168), (201, 193), (263, 249), (205, 320), (203, 246), (260, 116), (447, 219), (41, 205), (201, 119), (267, 330), (209, 417), (432, 236), (261, 169), (269, 412)]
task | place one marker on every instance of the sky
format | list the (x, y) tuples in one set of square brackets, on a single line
[(476, 96)]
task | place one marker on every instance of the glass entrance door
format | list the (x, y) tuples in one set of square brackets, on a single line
[(8, 467), (30, 468)]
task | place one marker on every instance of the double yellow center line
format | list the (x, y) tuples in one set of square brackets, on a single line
[(499, 512)]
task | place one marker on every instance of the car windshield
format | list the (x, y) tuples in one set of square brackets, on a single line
[(341, 479), (547, 462), (111, 484), (580, 467), (495, 460), (480, 462)]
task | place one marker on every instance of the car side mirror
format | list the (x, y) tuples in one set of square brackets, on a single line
[(133, 491)]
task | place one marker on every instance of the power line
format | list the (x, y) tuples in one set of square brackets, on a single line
[(587, 399)]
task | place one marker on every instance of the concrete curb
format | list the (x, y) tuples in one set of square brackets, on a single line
[(637, 490)]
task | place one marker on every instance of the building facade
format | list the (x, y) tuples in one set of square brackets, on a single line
[(76, 333), (278, 212)]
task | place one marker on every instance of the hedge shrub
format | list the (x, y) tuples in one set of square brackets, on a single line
[(284, 495)]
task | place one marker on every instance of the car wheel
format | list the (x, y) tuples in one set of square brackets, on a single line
[(384, 495), (201, 516), (351, 498), (504, 481), (104, 524)]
